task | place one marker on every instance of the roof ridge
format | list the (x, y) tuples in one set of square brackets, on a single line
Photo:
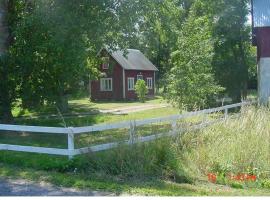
[(135, 60)]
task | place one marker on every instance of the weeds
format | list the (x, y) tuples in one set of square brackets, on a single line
[(236, 146)]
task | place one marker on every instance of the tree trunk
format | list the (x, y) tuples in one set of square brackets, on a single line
[(5, 96), (62, 103)]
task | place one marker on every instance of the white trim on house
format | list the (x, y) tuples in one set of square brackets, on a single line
[(104, 87), (131, 83), (149, 83), (141, 76), (105, 62), (154, 81), (124, 84)]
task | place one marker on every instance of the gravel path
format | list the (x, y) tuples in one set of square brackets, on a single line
[(27, 188), (132, 109)]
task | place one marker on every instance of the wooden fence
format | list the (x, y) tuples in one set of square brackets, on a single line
[(71, 132)]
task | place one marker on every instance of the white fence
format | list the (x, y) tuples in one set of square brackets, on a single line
[(71, 132)]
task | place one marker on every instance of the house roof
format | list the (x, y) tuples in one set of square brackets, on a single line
[(261, 13), (133, 60)]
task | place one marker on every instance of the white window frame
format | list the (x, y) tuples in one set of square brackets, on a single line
[(103, 85), (105, 62), (139, 75), (149, 82), (133, 83)]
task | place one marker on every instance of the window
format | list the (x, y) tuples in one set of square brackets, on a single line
[(139, 76), (106, 84), (149, 83), (105, 62), (130, 84)]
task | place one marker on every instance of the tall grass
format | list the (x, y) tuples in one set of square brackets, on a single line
[(237, 145)]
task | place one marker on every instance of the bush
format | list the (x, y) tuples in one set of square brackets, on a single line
[(141, 90)]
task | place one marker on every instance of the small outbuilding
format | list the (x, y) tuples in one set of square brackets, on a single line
[(261, 39), (119, 72)]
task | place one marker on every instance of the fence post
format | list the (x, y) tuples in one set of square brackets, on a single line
[(132, 132), (226, 113), (174, 126), (70, 143)]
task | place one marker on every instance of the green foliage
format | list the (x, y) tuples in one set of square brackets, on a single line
[(236, 185), (141, 89), (53, 47), (191, 79), (235, 59), (237, 146), (266, 183)]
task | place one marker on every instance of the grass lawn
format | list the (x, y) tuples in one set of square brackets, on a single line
[(82, 105), (105, 105), (98, 137), (97, 118)]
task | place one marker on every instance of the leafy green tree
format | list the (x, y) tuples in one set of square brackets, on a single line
[(157, 26), (191, 79), (234, 56), (141, 90), (56, 46)]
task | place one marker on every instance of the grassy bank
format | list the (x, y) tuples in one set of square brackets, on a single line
[(236, 146)]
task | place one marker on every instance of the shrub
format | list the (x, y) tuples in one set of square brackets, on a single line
[(141, 90)]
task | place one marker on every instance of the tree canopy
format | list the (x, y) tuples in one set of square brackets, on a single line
[(201, 47)]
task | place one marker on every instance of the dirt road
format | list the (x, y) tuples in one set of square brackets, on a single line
[(10, 187)]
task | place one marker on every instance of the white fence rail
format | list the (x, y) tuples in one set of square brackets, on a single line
[(71, 132)]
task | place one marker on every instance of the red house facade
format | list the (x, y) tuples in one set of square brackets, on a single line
[(261, 39), (119, 73)]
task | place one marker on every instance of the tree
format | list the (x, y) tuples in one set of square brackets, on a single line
[(191, 79), (7, 70), (158, 24), (234, 57), (141, 90), (56, 46)]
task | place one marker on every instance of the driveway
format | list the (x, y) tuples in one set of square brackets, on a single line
[(10, 187)]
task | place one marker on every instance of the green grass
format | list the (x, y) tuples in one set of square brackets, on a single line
[(252, 94), (82, 105), (98, 118), (106, 105), (60, 141), (98, 137)]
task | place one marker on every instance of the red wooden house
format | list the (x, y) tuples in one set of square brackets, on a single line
[(119, 72), (261, 38)]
